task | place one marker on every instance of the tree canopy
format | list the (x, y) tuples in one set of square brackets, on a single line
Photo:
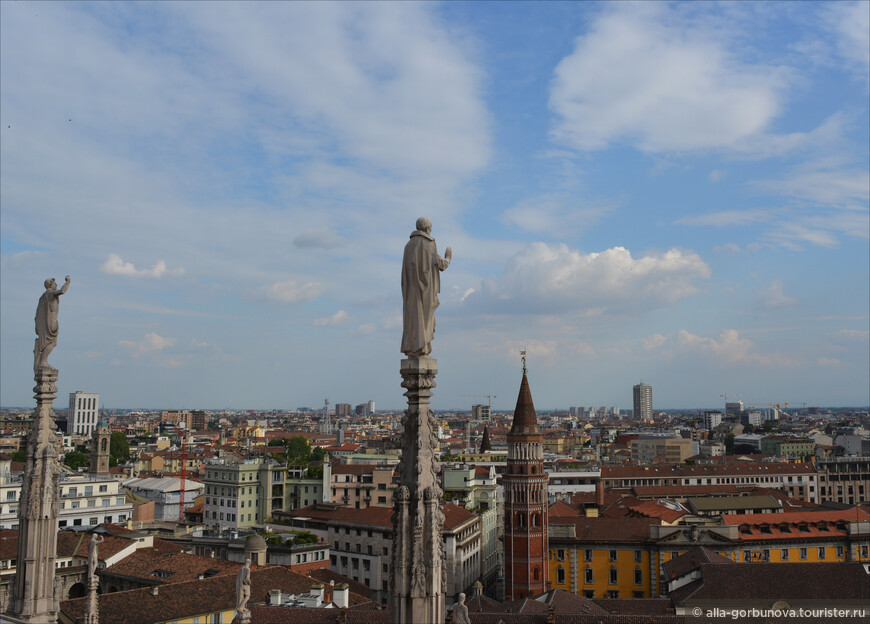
[(119, 446)]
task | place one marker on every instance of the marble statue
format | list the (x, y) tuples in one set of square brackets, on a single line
[(460, 611), (421, 283), (46, 323), (243, 587), (96, 540)]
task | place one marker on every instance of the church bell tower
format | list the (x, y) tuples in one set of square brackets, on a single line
[(100, 443), (525, 502)]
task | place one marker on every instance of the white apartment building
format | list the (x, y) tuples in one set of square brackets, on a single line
[(84, 413), (85, 500)]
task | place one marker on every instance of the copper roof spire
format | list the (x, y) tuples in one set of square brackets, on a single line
[(525, 419)]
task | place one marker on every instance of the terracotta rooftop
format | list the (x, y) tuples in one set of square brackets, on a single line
[(454, 516), (161, 568), (178, 601), (325, 576), (690, 560), (797, 525), (743, 468), (606, 529), (824, 583)]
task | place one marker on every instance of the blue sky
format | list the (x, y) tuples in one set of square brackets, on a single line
[(669, 192)]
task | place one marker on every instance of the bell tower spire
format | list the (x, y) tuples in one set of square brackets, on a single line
[(525, 504)]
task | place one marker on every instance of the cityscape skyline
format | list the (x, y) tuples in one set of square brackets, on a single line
[(670, 192)]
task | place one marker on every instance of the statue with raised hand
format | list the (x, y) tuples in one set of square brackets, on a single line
[(46, 323), (421, 283)]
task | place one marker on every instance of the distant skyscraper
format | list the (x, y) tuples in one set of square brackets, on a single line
[(643, 401), (84, 412)]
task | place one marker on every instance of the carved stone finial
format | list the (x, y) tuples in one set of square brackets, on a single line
[(46, 324), (421, 283)]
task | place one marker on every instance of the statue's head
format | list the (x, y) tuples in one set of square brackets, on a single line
[(461, 598), (424, 225), (50, 283)]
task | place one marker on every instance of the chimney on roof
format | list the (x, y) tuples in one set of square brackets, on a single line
[(341, 595), (599, 493), (154, 591), (275, 597), (317, 591)]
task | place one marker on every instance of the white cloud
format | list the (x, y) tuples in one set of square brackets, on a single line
[(339, 318), (644, 75), (291, 291), (729, 248), (114, 265), (554, 215), (852, 334), (727, 218), (716, 175), (546, 278), (654, 342), (322, 238), (828, 362), (151, 343), (773, 298), (729, 349), (850, 21), (829, 184)]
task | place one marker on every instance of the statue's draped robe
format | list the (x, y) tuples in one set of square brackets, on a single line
[(46, 326), (421, 283)]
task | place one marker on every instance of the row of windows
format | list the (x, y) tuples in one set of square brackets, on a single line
[(588, 553), (589, 576), (369, 548), (94, 520), (228, 491)]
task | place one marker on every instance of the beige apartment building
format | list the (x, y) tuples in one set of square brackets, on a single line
[(673, 450)]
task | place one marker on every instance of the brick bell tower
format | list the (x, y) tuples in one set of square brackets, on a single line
[(525, 502)]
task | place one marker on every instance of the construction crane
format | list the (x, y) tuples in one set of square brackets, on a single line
[(183, 473)]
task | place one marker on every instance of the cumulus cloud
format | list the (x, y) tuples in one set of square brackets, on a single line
[(644, 75), (321, 238), (150, 344), (291, 291), (114, 265), (545, 278), (338, 318), (773, 298)]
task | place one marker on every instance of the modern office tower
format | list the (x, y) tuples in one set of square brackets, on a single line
[(643, 401), (525, 503), (84, 412), (370, 408)]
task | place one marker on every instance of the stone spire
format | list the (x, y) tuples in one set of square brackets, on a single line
[(92, 607), (34, 597), (485, 444), (35, 594), (418, 574)]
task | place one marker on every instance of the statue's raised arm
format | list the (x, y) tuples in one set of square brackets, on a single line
[(46, 323), (421, 283)]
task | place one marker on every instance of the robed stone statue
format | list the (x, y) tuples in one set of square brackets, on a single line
[(243, 587), (421, 283), (46, 323)]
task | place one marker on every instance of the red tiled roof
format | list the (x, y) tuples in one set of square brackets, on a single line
[(173, 567), (747, 468), (560, 509), (798, 525), (455, 516), (607, 529)]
